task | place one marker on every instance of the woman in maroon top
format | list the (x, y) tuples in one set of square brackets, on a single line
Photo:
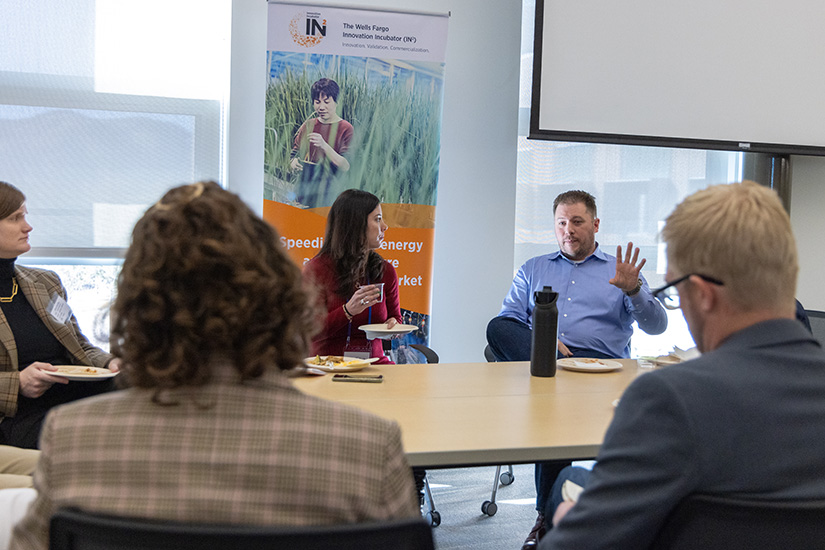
[(346, 271)]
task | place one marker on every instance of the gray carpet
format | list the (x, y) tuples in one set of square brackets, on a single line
[(458, 495)]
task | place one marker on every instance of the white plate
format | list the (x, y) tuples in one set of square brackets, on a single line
[(583, 364), (665, 360), (685, 354), (72, 374), (306, 371), (380, 331), (356, 365)]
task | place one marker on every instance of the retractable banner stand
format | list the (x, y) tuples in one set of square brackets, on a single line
[(380, 134)]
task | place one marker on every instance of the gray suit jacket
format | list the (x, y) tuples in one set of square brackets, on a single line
[(38, 285), (257, 453), (746, 420)]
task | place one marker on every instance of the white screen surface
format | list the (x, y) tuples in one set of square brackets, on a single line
[(732, 74)]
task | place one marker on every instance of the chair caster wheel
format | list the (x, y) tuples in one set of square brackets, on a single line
[(489, 508), (434, 518), (506, 478)]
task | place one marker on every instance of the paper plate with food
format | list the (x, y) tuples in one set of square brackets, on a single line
[(82, 373), (338, 363), (678, 355), (665, 360), (586, 364)]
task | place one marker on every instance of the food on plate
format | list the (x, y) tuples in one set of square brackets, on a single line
[(333, 361), (79, 369), (587, 360)]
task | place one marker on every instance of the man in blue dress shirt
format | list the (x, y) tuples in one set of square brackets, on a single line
[(600, 296)]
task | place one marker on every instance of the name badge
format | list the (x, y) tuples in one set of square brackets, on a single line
[(58, 309), (360, 352)]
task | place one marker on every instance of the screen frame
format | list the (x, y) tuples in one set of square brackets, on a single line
[(551, 134)]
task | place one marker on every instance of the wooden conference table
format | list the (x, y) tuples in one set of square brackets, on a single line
[(472, 414)]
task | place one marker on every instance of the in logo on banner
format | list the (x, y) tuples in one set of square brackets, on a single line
[(308, 28)]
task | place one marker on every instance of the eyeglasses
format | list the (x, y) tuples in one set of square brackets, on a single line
[(668, 294)]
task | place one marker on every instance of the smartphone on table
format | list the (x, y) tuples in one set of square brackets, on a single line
[(369, 378)]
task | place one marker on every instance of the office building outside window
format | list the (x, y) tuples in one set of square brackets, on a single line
[(104, 106)]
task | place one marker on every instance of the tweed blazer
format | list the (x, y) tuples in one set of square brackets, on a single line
[(38, 286), (258, 452)]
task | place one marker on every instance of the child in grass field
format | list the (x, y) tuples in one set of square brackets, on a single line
[(320, 144)]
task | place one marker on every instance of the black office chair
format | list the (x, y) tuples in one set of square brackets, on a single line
[(817, 320), (719, 523), (429, 354), (76, 530), (489, 507), (489, 355)]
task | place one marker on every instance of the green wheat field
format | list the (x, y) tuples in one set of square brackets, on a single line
[(397, 123)]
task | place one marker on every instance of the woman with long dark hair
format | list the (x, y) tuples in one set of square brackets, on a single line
[(349, 273)]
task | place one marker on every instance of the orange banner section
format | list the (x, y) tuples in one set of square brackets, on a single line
[(302, 231), (409, 249)]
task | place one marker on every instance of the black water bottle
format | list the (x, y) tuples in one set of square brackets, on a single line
[(545, 333)]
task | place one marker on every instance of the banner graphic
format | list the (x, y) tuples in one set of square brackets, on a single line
[(387, 71)]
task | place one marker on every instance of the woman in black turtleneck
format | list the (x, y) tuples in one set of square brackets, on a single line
[(35, 334)]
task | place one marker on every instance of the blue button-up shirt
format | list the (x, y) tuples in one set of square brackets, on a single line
[(593, 314)]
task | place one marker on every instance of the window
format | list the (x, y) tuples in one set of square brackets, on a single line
[(104, 105), (635, 189), (99, 119), (91, 289)]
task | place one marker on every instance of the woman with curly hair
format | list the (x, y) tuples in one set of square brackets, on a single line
[(346, 271), (210, 313)]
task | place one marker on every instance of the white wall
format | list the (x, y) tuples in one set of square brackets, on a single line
[(475, 212), (475, 215), (245, 126), (807, 201)]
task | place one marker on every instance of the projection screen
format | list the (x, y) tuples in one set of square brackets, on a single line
[(744, 75)]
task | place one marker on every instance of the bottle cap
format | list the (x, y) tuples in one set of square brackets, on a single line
[(545, 296)]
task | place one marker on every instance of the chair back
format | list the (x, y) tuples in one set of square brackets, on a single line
[(489, 355), (76, 530), (817, 320), (429, 354), (719, 523)]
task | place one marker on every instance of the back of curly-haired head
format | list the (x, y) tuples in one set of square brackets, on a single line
[(204, 281)]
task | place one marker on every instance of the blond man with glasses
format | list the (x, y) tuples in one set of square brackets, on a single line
[(747, 418)]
